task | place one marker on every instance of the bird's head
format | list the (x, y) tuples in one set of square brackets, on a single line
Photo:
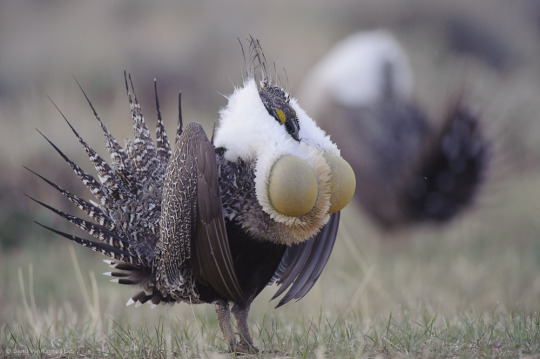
[(300, 177)]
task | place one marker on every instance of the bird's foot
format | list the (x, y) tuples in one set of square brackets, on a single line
[(244, 348)]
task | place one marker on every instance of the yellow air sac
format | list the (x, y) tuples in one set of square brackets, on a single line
[(292, 186), (342, 182)]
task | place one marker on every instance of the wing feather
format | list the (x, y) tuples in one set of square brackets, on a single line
[(215, 265), (302, 264), (192, 224)]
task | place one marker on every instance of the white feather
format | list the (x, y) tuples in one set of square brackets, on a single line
[(247, 131), (245, 127), (351, 73), (110, 263), (311, 133)]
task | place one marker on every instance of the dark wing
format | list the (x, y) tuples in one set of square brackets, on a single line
[(302, 264), (192, 225), (213, 261)]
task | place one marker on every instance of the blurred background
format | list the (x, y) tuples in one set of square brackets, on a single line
[(487, 258)]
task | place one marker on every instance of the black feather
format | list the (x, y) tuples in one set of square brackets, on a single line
[(302, 264)]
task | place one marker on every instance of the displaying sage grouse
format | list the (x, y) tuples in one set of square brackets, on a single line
[(217, 222), (408, 169)]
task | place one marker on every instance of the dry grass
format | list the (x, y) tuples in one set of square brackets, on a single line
[(469, 289)]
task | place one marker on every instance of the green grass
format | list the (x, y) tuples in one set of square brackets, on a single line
[(408, 334), (468, 290)]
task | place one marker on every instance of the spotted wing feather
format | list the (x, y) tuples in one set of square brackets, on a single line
[(193, 230)]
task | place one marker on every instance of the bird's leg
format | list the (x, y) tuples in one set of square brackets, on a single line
[(240, 313), (224, 319)]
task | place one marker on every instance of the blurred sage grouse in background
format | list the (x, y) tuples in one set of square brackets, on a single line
[(216, 222), (408, 169)]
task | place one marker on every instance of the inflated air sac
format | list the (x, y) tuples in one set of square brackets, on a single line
[(342, 182), (292, 186)]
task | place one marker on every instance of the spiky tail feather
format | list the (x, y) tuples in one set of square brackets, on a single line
[(452, 169), (125, 221)]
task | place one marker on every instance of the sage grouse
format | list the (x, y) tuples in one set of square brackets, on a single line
[(409, 170), (217, 222)]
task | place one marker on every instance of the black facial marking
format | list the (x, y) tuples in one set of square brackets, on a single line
[(275, 100)]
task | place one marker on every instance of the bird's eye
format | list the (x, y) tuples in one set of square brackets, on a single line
[(277, 105), (281, 115)]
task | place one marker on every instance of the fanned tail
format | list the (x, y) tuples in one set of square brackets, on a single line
[(119, 158), (98, 231), (90, 209), (452, 169), (88, 180), (102, 248), (126, 218), (111, 184), (130, 274), (142, 149)]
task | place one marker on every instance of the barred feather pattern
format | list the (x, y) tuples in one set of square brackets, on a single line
[(125, 221), (162, 141), (120, 162), (142, 150)]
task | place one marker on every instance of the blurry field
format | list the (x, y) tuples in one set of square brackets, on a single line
[(467, 289)]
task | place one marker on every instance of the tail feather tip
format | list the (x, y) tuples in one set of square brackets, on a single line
[(110, 263)]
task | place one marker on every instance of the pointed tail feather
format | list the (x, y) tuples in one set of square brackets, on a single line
[(125, 222), (119, 158), (90, 209), (142, 150), (180, 125), (88, 180), (102, 248), (110, 182), (154, 297), (95, 230), (162, 141)]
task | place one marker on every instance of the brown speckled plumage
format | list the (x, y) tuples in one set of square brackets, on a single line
[(186, 226)]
